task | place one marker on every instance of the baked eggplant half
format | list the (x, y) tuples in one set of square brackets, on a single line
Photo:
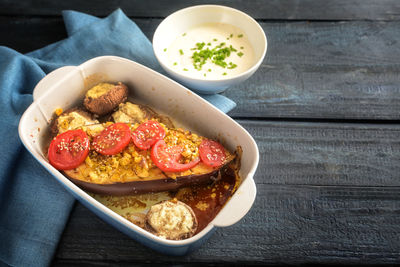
[(127, 159), (155, 182), (181, 161), (134, 151)]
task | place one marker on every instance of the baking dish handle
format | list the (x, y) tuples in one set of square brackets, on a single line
[(50, 79), (238, 205)]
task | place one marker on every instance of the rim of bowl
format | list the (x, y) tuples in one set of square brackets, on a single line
[(250, 70)]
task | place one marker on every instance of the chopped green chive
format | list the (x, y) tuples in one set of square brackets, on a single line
[(184, 34), (224, 73), (205, 75), (175, 63), (217, 55), (165, 49), (240, 35), (200, 45), (185, 69), (231, 35), (231, 65), (180, 51), (241, 47), (215, 39), (240, 54)]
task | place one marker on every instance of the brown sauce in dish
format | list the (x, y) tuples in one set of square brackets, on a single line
[(207, 201)]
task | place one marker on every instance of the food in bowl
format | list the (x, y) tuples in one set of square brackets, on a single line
[(133, 150), (206, 29), (211, 51)]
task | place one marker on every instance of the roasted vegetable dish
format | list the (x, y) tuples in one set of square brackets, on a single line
[(113, 147)]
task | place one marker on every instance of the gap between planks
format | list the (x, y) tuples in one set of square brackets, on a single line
[(317, 120)]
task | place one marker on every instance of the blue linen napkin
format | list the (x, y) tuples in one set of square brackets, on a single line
[(34, 208)]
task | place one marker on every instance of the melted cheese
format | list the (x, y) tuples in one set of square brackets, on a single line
[(129, 113), (72, 121), (99, 90)]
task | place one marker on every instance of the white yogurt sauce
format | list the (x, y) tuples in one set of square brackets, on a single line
[(180, 52)]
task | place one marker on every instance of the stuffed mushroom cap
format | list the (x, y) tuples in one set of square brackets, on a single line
[(105, 97), (171, 219), (70, 120)]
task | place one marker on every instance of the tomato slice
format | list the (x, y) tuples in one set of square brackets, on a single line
[(147, 134), (69, 149), (167, 157), (112, 139), (212, 153)]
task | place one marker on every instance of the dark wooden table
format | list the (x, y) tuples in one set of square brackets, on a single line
[(324, 108)]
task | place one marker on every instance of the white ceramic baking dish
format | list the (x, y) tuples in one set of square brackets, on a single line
[(65, 88)]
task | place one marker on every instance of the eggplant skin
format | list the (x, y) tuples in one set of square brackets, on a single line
[(151, 186)]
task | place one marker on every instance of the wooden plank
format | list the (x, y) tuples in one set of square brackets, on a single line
[(287, 224), (347, 70), (326, 193), (327, 153), (259, 9)]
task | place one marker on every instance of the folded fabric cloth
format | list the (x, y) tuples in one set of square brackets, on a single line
[(34, 207)]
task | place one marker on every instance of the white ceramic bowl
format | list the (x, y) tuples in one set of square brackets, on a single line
[(66, 87), (179, 22)]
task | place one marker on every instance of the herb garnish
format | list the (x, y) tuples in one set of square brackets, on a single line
[(216, 55)]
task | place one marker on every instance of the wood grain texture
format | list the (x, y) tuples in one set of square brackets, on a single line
[(347, 70), (324, 70), (326, 193), (287, 224), (327, 153), (259, 9)]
